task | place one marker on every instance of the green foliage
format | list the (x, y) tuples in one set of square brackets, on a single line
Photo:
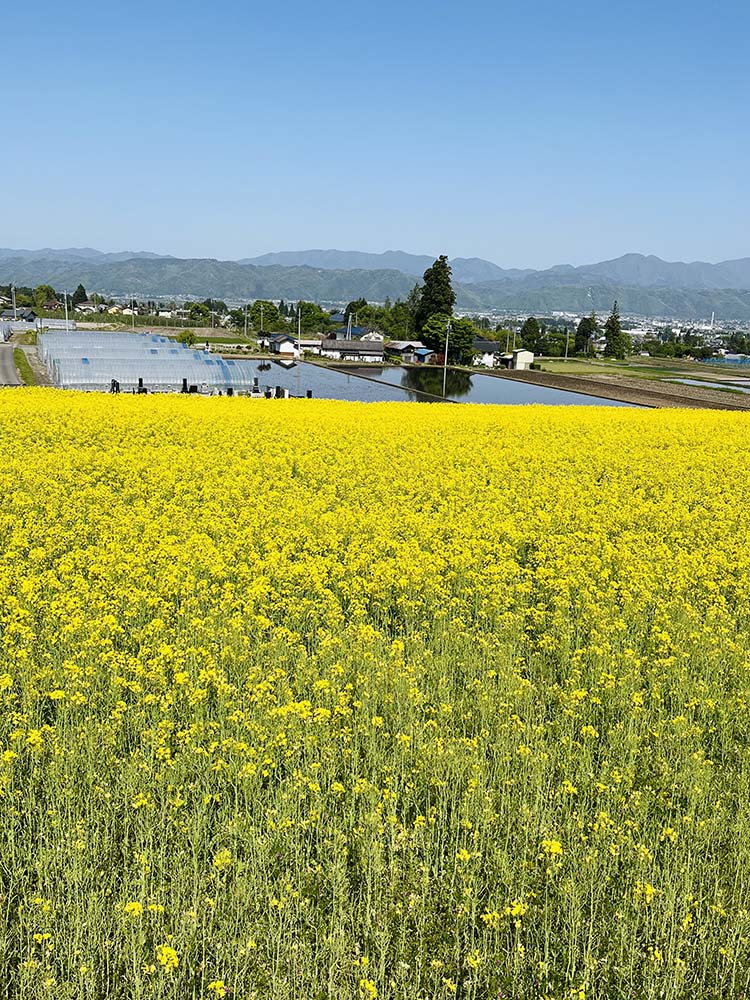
[(460, 340), (216, 306), (434, 331), (437, 295), (264, 316), (463, 333), (738, 343), (357, 308), (199, 311), (79, 296), (42, 294), (531, 336), (586, 332), (24, 369), (314, 319), (186, 337), (618, 343)]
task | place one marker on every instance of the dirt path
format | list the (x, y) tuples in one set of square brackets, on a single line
[(8, 373)]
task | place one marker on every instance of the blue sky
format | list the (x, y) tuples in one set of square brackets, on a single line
[(527, 133)]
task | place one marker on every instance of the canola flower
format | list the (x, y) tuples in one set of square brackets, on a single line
[(327, 699)]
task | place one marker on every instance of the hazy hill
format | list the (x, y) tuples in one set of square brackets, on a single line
[(656, 301), (79, 253), (201, 278), (647, 272), (465, 269), (644, 285)]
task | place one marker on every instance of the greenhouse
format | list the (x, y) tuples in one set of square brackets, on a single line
[(91, 361)]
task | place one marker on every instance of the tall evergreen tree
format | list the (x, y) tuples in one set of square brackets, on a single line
[(79, 296), (437, 293), (618, 343)]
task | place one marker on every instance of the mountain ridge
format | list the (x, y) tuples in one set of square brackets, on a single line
[(644, 285)]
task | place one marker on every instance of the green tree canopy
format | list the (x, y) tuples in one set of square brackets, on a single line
[(460, 340), (199, 312), (397, 321), (79, 296), (463, 333), (531, 335), (264, 316), (313, 318), (586, 333), (437, 295), (434, 331), (186, 337), (45, 293), (215, 306), (618, 343), (354, 308)]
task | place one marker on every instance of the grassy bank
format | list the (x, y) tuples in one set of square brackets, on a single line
[(24, 369)]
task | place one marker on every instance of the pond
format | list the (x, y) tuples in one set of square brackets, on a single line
[(475, 387), (735, 386), (324, 383)]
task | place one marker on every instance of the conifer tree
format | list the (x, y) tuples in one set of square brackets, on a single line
[(437, 294), (618, 343)]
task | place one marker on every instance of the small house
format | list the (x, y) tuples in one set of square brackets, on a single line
[(487, 353), (367, 351), (522, 360), (404, 350), (21, 315), (282, 343), (423, 355), (309, 346)]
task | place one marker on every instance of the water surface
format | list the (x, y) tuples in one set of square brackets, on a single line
[(475, 387)]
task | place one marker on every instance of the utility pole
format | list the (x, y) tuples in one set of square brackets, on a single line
[(246, 321), (567, 341), (445, 359), (13, 296), (65, 300), (261, 319), (299, 330)]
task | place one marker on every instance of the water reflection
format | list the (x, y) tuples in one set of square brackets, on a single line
[(476, 387), (457, 384)]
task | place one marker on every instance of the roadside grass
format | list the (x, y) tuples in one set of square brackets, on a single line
[(29, 337), (25, 371)]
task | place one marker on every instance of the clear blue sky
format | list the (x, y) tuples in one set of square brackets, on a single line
[(527, 133)]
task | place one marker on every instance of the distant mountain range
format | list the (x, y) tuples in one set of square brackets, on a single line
[(644, 285), (465, 269)]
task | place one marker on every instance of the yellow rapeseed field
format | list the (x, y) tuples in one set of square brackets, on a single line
[(316, 700)]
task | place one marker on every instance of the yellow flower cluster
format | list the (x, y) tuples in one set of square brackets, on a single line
[(372, 700)]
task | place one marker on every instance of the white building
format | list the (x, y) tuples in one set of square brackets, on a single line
[(368, 351), (522, 360), (282, 343)]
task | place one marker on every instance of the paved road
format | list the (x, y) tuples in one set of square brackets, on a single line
[(8, 373)]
